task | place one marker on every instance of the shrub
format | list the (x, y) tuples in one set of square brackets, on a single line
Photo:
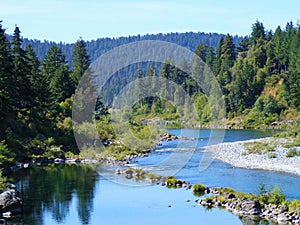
[(198, 188), (172, 182), (293, 205), (3, 183), (275, 196), (271, 155), (291, 153), (7, 158)]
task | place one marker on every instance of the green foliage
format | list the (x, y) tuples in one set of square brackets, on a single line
[(292, 152), (272, 155), (198, 189), (81, 61), (171, 182), (293, 205), (294, 142), (276, 197), (7, 158), (3, 183), (257, 147), (272, 196)]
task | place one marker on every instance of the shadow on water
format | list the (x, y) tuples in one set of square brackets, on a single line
[(52, 189)]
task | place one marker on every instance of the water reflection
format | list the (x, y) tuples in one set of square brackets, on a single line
[(52, 189)]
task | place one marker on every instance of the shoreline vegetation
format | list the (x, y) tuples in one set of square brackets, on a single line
[(269, 204)]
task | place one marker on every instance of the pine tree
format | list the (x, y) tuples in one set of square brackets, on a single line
[(292, 80), (81, 61), (57, 75), (243, 47), (39, 86), (6, 80), (227, 59), (21, 73), (258, 31), (217, 64), (280, 49)]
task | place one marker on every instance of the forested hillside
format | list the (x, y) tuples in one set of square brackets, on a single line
[(259, 76), (95, 48)]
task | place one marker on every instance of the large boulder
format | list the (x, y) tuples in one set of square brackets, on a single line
[(10, 200), (251, 207)]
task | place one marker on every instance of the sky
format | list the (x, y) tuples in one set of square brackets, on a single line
[(69, 20)]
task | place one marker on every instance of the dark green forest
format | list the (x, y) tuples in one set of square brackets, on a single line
[(259, 76), (95, 48)]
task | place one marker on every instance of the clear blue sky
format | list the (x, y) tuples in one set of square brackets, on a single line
[(67, 20)]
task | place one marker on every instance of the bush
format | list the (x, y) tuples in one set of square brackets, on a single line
[(293, 205), (198, 188), (271, 155), (275, 196), (7, 158), (3, 183), (291, 153), (172, 182)]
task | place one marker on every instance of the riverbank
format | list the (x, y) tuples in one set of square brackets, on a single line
[(269, 204), (235, 153)]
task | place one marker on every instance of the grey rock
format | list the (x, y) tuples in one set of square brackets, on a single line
[(229, 196), (282, 209), (9, 199), (282, 217), (251, 207)]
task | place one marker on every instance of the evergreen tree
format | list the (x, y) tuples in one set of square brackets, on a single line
[(6, 79), (21, 73), (100, 109), (227, 58), (243, 47), (292, 81), (217, 64), (57, 75), (258, 31), (39, 86), (81, 61), (201, 51), (280, 49)]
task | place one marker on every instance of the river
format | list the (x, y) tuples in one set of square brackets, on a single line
[(72, 194)]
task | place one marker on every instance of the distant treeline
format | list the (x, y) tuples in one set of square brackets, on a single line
[(95, 48)]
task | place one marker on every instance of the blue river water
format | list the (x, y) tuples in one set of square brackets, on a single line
[(70, 194)]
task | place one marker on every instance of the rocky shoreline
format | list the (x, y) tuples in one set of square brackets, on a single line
[(250, 207), (236, 155), (268, 205)]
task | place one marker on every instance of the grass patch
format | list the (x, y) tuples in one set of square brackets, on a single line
[(257, 147), (293, 143), (292, 152)]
